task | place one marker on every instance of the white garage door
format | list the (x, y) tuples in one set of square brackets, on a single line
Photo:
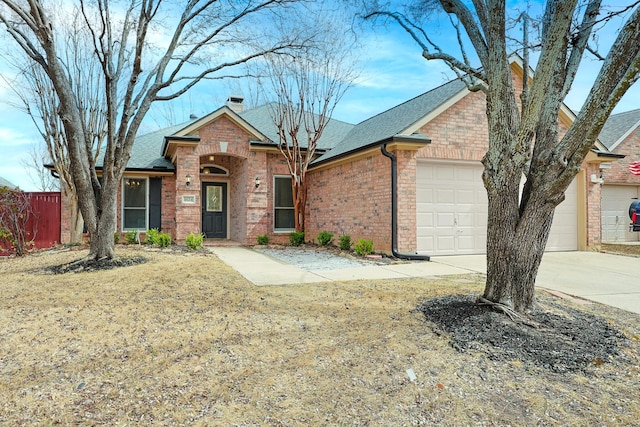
[(615, 213), (452, 211)]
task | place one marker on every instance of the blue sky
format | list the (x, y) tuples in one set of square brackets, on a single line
[(392, 71)]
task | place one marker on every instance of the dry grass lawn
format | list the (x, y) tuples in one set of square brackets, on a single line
[(185, 340)]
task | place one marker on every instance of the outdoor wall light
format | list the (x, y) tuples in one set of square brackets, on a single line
[(212, 158), (188, 179), (258, 181)]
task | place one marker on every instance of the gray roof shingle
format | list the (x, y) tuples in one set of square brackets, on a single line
[(338, 137), (395, 120), (146, 152), (260, 118), (617, 125)]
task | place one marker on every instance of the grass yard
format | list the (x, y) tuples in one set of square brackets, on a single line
[(185, 340)]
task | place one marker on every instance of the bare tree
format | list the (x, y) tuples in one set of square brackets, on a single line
[(147, 51), (38, 175), (525, 139), (39, 100), (307, 89)]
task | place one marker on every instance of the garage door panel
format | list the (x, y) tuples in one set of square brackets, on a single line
[(564, 229), (445, 219), (425, 219), (444, 195), (468, 175), (460, 208), (425, 196), (615, 213), (445, 243), (455, 205), (444, 174), (466, 220), (465, 197)]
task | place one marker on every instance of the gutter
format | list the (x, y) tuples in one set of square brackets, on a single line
[(394, 210)]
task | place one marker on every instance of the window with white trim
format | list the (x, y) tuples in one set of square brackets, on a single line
[(284, 214), (134, 204)]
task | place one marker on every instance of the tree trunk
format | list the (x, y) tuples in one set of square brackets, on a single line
[(514, 254), (301, 204), (76, 223), (102, 245), (299, 193)]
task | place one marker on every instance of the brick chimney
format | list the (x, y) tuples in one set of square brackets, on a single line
[(236, 103)]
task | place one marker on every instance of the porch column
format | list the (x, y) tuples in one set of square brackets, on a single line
[(187, 193)]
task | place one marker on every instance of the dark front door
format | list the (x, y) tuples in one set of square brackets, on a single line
[(214, 209)]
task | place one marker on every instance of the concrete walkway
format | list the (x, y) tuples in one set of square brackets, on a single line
[(609, 279)]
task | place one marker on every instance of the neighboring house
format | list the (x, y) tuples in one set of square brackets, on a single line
[(621, 134), (224, 176), (5, 183)]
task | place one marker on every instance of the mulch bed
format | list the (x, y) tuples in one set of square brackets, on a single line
[(568, 340), (81, 266)]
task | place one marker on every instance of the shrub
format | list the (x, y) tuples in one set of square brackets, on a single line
[(15, 212), (345, 242), (194, 241), (325, 238), (363, 247), (152, 236), (164, 240), (116, 237), (296, 238), (263, 239), (131, 237)]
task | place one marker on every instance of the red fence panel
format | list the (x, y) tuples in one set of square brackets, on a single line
[(45, 223)]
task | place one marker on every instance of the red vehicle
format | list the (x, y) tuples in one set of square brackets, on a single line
[(634, 214)]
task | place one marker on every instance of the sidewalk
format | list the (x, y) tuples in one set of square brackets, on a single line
[(609, 279), (264, 270)]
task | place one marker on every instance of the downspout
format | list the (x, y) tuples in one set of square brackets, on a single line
[(394, 210)]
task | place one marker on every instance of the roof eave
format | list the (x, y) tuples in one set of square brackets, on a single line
[(608, 154), (411, 142), (172, 142)]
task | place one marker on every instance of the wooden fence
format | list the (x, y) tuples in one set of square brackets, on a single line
[(44, 224)]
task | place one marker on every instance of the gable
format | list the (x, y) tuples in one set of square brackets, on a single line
[(397, 121), (190, 135), (618, 128)]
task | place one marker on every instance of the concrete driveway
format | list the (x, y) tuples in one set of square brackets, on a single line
[(609, 279)]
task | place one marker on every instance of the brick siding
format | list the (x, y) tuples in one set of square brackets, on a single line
[(619, 171), (353, 198)]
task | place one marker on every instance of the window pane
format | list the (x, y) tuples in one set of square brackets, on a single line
[(134, 193), (214, 199), (285, 219), (135, 219), (134, 214), (283, 194)]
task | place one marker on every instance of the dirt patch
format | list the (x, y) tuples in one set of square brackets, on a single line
[(567, 340), (629, 250)]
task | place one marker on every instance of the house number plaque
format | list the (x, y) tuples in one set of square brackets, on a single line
[(189, 200)]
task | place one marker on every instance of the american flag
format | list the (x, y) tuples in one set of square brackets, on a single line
[(634, 168)]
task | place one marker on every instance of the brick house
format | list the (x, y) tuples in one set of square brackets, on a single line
[(621, 135), (223, 175)]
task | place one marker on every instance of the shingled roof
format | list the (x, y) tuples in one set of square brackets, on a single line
[(146, 152), (394, 121), (619, 126), (5, 183), (261, 119)]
